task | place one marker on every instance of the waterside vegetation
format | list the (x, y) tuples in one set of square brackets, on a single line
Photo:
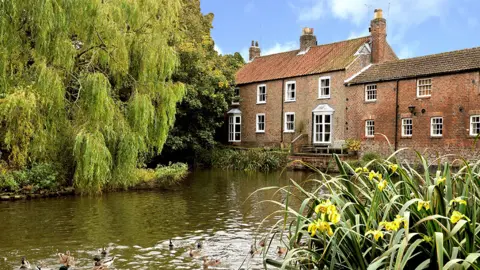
[(390, 217), (253, 159)]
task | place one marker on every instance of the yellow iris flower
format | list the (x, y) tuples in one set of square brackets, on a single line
[(323, 207), (395, 224), (423, 204), (440, 180), (382, 185), (376, 234), (457, 216), (371, 175), (393, 167), (361, 169), (459, 201), (334, 217)]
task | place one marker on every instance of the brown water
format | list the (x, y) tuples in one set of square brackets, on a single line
[(136, 226)]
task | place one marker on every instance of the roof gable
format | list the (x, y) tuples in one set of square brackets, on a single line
[(318, 59)]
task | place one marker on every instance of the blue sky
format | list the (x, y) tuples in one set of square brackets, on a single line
[(415, 27)]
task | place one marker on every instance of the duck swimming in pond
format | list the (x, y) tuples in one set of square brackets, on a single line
[(281, 250), (170, 245), (25, 264), (193, 253), (207, 263), (66, 259)]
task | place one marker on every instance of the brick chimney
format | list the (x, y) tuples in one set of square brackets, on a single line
[(254, 51), (378, 32), (307, 39)]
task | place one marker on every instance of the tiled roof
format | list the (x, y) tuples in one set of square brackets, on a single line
[(435, 64), (318, 59)]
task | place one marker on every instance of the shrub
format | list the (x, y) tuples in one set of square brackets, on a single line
[(41, 176), (249, 159), (163, 176), (353, 144), (391, 218)]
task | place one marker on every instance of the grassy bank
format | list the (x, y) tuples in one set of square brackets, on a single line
[(255, 159), (384, 215), (43, 180)]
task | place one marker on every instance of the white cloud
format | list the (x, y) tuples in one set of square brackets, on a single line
[(311, 12), (216, 48), (355, 34), (408, 50), (281, 47)]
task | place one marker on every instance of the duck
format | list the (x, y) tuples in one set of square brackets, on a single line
[(66, 259), (193, 253), (207, 262), (281, 250), (104, 252), (199, 244), (262, 242), (170, 245), (254, 250), (98, 266), (25, 264)]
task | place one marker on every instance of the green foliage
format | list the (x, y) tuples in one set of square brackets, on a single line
[(164, 176), (88, 84), (369, 156), (41, 176), (393, 218), (209, 80), (249, 160)]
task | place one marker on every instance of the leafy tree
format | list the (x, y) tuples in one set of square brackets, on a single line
[(87, 84), (209, 79)]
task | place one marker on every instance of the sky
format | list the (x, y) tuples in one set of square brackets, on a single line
[(414, 27)]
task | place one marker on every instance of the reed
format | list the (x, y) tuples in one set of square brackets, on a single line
[(392, 217)]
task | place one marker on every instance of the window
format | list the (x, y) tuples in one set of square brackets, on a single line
[(407, 127), (371, 92), (236, 96), (474, 125), (260, 123), (234, 127), (324, 87), (424, 87), (322, 128), (290, 93), (436, 129), (262, 94), (289, 122), (369, 128)]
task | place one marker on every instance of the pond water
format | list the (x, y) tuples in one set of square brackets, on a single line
[(210, 206)]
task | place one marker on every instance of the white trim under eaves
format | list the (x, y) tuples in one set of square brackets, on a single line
[(358, 73)]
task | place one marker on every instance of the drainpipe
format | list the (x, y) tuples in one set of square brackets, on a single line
[(396, 117), (281, 116)]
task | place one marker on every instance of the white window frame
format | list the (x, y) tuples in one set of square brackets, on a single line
[(257, 123), (472, 133), (258, 94), (236, 96), (366, 92), (285, 127), (320, 88), (404, 125), (232, 122), (287, 96), (323, 124), (369, 123), (431, 126), (418, 87)]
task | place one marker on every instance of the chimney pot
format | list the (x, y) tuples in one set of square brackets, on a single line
[(253, 43), (256, 43), (307, 39), (378, 13), (254, 50)]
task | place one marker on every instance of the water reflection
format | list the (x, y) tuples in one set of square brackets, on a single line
[(210, 206)]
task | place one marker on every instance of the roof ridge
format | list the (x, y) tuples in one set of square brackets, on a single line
[(430, 55), (321, 45)]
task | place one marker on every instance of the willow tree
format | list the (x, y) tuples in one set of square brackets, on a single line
[(87, 84)]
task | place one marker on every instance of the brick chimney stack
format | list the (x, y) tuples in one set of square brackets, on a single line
[(378, 32), (307, 39), (254, 51)]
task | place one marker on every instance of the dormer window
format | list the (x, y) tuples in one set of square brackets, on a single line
[(290, 93)]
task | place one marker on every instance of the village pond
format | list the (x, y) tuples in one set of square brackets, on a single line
[(210, 206)]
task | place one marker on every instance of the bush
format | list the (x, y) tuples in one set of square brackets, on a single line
[(41, 176), (163, 176), (249, 159), (391, 218)]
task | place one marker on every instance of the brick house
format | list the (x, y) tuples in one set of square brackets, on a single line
[(359, 89), (284, 95), (429, 103)]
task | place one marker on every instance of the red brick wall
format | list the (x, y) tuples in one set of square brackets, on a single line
[(455, 97)]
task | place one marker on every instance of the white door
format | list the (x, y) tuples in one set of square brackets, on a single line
[(322, 128)]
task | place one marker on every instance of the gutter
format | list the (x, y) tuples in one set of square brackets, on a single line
[(281, 116), (396, 118)]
